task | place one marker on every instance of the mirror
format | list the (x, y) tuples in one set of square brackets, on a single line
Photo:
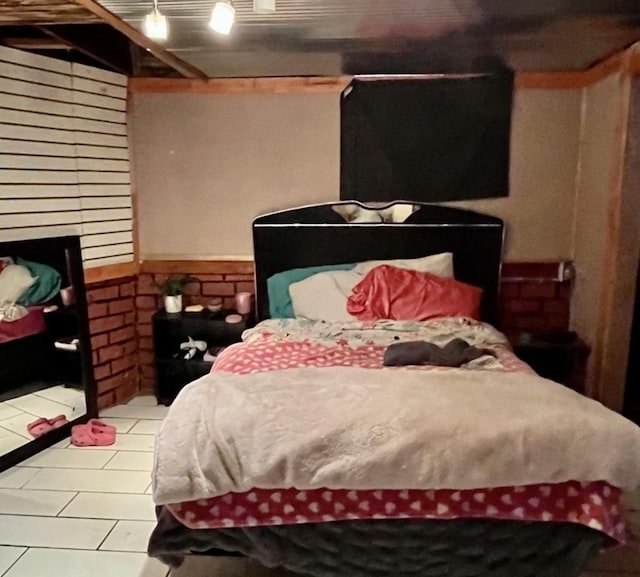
[(46, 369)]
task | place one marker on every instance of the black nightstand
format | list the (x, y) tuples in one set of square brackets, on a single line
[(561, 357), (170, 329)]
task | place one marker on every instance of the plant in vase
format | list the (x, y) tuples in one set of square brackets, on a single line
[(171, 289)]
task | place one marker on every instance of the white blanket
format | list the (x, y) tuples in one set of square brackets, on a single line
[(358, 428)]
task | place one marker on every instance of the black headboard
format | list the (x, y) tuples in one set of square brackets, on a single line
[(318, 235)]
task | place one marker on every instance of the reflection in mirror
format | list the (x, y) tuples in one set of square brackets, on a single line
[(45, 353)]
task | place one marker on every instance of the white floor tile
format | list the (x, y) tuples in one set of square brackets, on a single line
[(149, 490), (8, 556), (90, 480), (143, 401), (121, 425), (145, 427), (53, 532), (65, 395), (18, 424), (129, 536), (136, 412), (7, 411), (26, 502), (10, 440), (39, 406), (69, 459), (65, 563), (125, 442), (131, 461), (111, 506), (17, 477)]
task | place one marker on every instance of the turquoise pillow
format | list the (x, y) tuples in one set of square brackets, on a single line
[(280, 306), (47, 285)]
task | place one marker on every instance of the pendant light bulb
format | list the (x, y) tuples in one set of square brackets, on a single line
[(222, 17), (155, 24)]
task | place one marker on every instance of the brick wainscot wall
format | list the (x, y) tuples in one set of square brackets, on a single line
[(114, 339), (533, 299)]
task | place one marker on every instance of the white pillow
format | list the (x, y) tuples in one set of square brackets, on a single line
[(323, 296), (15, 279), (438, 264)]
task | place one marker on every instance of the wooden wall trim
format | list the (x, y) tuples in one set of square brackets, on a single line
[(284, 85), (610, 379), (110, 272), (551, 80), (197, 266), (307, 85)]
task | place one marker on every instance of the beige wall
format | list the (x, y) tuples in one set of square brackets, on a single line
[(206, 165), (544, 153)]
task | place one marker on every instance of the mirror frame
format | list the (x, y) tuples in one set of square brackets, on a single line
[(70, 247)]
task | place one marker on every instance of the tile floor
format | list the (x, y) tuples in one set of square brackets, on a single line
[(16, 414), (73, 512)]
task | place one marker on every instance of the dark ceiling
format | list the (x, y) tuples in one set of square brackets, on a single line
[(333, 37)]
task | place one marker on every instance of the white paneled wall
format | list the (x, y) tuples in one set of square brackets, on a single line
[(64, 160)]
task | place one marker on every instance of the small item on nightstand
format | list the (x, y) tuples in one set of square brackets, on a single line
[(68, 296), (215, 305), (243, 302), (194, 309), (192, 347), (68, 344), (233, 319)]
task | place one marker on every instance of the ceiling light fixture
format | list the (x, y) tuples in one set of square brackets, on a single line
[(264, 6), (222, 17), (155, 24)]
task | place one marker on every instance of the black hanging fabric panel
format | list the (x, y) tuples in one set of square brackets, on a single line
[(430, 140)]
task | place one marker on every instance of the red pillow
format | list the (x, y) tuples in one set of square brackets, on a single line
[(387, 292)]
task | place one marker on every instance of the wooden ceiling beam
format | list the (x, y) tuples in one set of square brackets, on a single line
[(47, 43), (99, 43), (140, 39)]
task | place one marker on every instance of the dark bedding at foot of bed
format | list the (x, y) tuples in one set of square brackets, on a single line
[(398, 548)]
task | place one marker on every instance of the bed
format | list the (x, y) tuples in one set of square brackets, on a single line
[(302, 450)]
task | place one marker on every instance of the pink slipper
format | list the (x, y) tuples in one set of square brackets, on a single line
[(58, 421), (39, 427), (88, 436), (101, 426)]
